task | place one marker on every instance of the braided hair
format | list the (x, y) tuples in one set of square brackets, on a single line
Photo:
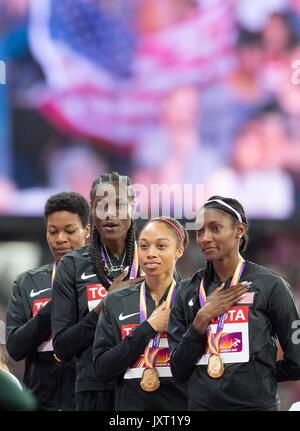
[(235, 204), (96, 242)]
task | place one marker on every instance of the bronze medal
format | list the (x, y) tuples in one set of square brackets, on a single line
[(56, 358), (150, 380), (215, 367)]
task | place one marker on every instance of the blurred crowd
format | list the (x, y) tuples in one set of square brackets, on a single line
[(238, 135)]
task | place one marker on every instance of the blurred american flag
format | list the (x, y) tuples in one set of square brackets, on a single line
[(105, 79)]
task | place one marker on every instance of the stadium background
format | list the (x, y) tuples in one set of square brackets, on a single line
[(193, 92)]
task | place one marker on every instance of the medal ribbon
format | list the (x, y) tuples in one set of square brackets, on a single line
[(151, 353), (53, 274), (215, 340), (134, 267), (135, 263)]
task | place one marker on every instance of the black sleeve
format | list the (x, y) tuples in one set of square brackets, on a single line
[(70, 337), (283, 313), (24, 333), (112, 359), (186, 345)]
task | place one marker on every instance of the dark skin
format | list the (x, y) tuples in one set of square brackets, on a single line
[(113, 229), (159, 249), (117, 284), (219, 239), (112, 215), (217, 303)]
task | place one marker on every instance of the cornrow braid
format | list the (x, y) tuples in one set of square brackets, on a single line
[(130, 246), (97, 259), (113, 177), (96, 243)]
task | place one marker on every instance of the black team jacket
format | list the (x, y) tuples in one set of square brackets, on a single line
[(28, 336), (77, 290), (120, 341), (265, 317)]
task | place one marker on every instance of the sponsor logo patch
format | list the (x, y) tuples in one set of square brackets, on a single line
[(33, 293), (38, 304), (95, 294), (122, 317), (86, 277)]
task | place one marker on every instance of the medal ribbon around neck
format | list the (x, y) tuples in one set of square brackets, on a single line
[(135, 263), (53, 274), (150, 353), (134, 267), (214, 341)]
